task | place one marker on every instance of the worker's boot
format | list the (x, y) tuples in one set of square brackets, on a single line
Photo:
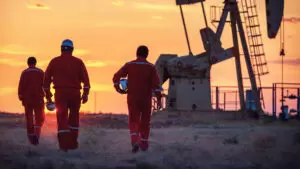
[(33, 139), (144, 145), (135, 138), (73, 140), (135, 148)]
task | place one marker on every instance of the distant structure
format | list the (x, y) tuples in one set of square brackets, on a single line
[(189, 75)]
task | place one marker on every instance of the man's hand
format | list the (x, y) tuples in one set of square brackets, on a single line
[(48, 96), (159, 104), (84, 98), (49, 99), (118, 89), (21, 98)]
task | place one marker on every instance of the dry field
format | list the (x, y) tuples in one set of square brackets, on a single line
[(178, 141)]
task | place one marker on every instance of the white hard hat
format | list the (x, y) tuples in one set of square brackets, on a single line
[(124, 85), (50, 106)]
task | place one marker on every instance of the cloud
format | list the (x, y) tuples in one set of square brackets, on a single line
[(15, 50), (80, 52), (156, 17), (19, 63), (11, 62), (292, 62), (93, 63), (102, 87), (37, 6), (118, 3), (157, 7), (292, 20), (117, 24), (96, 63), (134, 25), (7, 90)]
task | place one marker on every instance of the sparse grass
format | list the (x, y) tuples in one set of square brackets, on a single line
[(103, 146), (265, 142), (145, 165), (296, 138), (231, 140)]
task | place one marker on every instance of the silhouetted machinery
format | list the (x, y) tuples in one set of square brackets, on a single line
[(189, 75)]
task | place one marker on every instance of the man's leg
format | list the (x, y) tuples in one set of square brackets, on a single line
[(145, 125), (134, 122), (74, 120), (63, 133), (29, 124), (39, 111)]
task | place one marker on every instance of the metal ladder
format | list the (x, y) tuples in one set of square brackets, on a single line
[(255, 43)]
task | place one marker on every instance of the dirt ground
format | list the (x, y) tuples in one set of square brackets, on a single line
[(178, 141)]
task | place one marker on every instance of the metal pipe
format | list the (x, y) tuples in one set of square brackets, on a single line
[(233, 11), (224, 101), (217, 98), (298, 103), (273, 101), (185, 30), (204, 14)]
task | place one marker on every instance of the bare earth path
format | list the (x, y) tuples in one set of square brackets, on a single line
[(229, 145)]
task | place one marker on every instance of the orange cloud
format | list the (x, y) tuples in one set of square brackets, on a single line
[(80, 52), (156, 17), (97, 63), (134, 25), (102, 87), (93, 63), (11, 62), (37, 6), (20, 63), (15, 50), (292, 20), (158, 7), (118, 3), (291, 62), (7, 90)]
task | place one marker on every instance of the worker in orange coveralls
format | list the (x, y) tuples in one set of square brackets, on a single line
[(31, 94), (67, 73), (142, 82)]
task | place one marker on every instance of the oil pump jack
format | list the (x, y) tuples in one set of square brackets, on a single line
[(189, 75)]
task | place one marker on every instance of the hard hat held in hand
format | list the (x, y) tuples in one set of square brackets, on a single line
[(124, 85), (50, 106)]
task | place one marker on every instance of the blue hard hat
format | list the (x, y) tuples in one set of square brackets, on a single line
[(68, 43)]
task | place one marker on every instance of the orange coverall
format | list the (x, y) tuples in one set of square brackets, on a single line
[(142, 81), (31, 94), (67, 73)]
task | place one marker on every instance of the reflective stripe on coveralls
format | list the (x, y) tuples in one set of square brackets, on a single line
[(74, 128), (63, 131), (142, 139)]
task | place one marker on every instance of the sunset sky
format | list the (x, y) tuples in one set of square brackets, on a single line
[(106, 34)]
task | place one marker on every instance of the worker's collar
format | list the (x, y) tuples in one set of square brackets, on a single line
[(141, 58), (66, 53), (31, 66)]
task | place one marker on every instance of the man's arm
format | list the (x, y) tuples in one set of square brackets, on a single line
[(118, 75), (156, 87), (86, 83), (21, 87), (47, 82), (43, 77)]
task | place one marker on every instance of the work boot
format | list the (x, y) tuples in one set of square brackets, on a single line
[(33, 139), (73, 145), (135, 148), (144, 145)]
